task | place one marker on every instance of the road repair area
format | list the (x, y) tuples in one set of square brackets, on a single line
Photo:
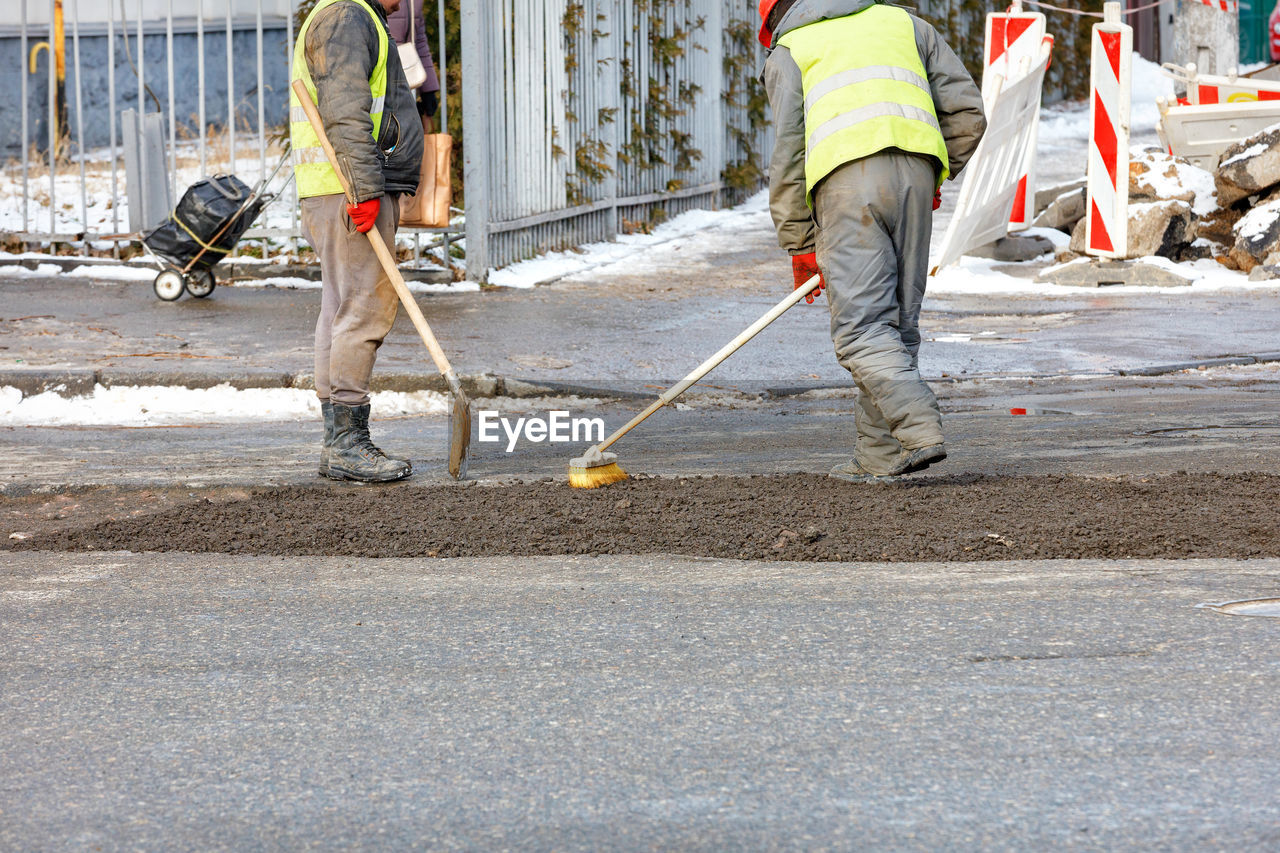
[(1033, 644), (1154, 444)]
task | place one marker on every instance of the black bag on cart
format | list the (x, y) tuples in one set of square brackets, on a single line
[(211, 217)]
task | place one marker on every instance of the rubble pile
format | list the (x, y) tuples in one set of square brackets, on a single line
[(1181, 212)]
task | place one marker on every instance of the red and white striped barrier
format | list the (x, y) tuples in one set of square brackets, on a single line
[(1216, 89), (1013, 47), (1107, 186), (1223, 5)]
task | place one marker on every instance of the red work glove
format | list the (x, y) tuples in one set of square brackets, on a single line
[(364, 214), (805, 267), (937, 198)]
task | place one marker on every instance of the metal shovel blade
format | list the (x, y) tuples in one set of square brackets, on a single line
[(459, 434)]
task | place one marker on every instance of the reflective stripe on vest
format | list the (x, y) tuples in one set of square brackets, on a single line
[(865, 90), (311, 167)]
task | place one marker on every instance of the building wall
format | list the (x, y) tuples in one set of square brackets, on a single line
[(94, 77), (99, 11)]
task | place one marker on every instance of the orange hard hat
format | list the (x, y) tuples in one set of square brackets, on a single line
[(765, 7)]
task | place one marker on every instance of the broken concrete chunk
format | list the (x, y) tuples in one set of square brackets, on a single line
[(1219, 226), (1257, 235), (1159, 228), (1063, 212), (1014, 247), (1250, 166), (1077, 237), (1156, 175), (1097, 273), (1049, 195), (1200, 249), (1155, 228)]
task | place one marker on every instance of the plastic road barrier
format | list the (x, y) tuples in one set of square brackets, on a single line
[(995, 171), (1215, 89), (1013, 45), (1107, 182), (1199, 133)]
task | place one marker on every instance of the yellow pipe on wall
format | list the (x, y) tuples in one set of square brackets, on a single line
[(35, 51)]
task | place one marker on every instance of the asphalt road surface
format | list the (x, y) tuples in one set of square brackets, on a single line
[(210, 702)]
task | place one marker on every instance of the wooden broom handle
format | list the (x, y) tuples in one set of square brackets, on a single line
[(380, 246), (707, 366)]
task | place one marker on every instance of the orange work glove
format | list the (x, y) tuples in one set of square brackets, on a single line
[(364, 214), (805, 267), (937, 198)]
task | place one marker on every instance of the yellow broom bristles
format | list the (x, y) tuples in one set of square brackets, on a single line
[(594, 477)]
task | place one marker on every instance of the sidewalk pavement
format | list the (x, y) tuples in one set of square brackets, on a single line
[(626, 329)]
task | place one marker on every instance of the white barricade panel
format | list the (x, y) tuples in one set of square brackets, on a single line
[(1107, 181), (1013, 44), (991, 178), (1201, 133)]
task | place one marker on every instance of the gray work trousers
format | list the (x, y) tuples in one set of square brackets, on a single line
[(874, 218), (357, 303)]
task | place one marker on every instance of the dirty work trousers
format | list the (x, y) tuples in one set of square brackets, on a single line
[(358, 303), (874, 219)]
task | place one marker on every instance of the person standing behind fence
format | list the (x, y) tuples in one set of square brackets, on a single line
[(872, 112), (347, 61), (398, 24)]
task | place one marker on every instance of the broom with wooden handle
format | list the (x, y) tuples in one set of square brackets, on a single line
[(460, 410), (597, 468)]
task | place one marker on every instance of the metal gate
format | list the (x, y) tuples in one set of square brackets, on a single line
[(585, 117)]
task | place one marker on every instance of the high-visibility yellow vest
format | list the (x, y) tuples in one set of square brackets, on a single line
[(865, 90), (311, 167)]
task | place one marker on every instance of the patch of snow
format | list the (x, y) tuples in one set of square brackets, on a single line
[(292, 283), (113, 272), (693, 225), (161, 405), (1059, 240), (1252, 151), (18, 271), (1186, 177), (979, 275)]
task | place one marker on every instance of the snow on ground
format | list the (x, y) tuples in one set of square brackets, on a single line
[(160, 405), (695, 228), (307, 284), (170, 405), (982, 275), (105, 272)]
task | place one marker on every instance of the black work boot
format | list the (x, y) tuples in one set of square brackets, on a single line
[(353, 455), (326, 409), (362, 413)]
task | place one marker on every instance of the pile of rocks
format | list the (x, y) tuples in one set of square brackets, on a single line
[(1181, 212)]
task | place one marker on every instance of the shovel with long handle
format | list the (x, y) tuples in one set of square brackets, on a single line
[(460, 411)]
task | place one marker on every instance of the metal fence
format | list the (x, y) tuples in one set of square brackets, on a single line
[(216, 70), (582, 118), (589, 116)]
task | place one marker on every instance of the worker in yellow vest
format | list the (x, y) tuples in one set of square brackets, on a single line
[(872, 112), (348, 63)]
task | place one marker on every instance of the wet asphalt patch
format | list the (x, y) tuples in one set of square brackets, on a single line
[(788, 517)]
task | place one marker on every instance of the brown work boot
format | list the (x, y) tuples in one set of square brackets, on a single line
[(354, 456), (852, 472)]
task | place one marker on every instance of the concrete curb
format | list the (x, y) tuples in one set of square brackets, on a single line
[(225, 271), (79, 382), (1179, 366)]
